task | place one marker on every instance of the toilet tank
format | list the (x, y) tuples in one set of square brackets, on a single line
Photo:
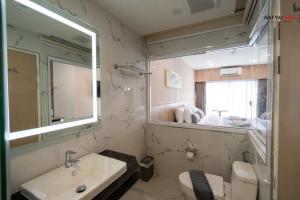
[(243, 181)]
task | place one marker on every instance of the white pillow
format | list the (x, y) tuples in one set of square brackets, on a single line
[(197, 110), (187, 115), (179, 114), (202, 114)]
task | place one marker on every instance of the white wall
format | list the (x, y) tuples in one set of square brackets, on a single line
[(163, 95), (122, 128)]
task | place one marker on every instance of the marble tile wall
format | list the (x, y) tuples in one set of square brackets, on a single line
[(216, 151), (123, 112), (263, 172)]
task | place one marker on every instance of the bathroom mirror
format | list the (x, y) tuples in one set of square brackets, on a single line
[(52, 73)]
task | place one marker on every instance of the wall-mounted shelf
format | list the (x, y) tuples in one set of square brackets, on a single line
[(131, 70)]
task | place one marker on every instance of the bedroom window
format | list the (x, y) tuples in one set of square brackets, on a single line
[(225, 88), (232, 98)]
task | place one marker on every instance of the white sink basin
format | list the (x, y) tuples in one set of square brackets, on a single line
[(96, 172)]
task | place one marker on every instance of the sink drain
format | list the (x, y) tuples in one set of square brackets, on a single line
[(81, 188)]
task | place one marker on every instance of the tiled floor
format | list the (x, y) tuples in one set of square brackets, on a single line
[(160, 188), (157, 188)]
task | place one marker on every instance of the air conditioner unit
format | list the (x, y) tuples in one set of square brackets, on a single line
[(231, 71)]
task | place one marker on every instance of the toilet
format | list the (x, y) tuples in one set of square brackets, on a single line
[(243, 183)]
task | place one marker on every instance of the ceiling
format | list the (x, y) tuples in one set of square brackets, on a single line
[(152, 16), (225, 58)]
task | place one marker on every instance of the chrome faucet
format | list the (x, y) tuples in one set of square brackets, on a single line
[(69, 162)]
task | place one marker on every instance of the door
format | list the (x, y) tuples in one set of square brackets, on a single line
[(23, 96)]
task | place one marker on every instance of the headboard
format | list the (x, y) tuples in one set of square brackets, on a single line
[(166, 112)]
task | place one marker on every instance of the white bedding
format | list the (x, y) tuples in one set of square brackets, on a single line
[(212, 120)]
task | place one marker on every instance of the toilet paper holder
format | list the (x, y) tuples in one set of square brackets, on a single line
[(191, 150)]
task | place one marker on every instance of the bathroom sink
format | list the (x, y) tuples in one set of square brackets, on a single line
[(92, 175)]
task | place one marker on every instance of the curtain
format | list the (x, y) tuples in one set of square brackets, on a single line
[(261, 96), (200, 95), (237, 98)]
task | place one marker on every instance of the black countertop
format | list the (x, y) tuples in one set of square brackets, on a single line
[(120, 186)]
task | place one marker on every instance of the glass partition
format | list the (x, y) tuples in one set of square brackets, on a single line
[(222, 88)]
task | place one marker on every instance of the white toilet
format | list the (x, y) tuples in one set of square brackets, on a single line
[(243, 183)]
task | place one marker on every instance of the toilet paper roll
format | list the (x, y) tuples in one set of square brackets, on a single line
[(190, 155)]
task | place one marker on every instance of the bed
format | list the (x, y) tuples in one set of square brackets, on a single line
[(257, 123), (214, 120), (185, 114)]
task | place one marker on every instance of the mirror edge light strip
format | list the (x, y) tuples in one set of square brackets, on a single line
[(52, 128), (55, 16)]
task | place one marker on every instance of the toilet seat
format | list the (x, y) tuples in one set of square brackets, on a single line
[(216, 183)]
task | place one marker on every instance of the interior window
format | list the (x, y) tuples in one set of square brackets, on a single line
[(225, 88)]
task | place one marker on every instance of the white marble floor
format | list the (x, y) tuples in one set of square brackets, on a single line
[(160, 188)]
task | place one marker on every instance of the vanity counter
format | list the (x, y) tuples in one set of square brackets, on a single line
[(120, 186)]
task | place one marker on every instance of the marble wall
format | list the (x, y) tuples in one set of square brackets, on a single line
[(216, 151), (263, 172), (123, 112)]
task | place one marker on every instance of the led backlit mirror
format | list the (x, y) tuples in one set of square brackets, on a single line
[(51, 71)]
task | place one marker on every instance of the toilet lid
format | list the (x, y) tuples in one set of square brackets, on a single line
[(216, 183), (245, 172)]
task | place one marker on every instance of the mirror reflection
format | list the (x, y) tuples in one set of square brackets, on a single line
[(70, 91), (50, 71)]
